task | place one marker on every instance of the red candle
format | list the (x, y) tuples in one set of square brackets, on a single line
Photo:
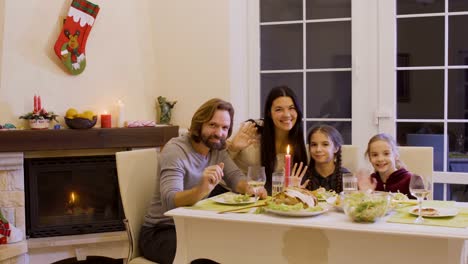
[(39, 106), (106, 121), (287, 167), (35, 103)]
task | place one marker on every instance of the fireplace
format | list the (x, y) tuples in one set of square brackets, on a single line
[(16, 146), (72, 195)]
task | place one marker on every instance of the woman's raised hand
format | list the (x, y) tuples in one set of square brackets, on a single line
[(297, 173), (246, 136)]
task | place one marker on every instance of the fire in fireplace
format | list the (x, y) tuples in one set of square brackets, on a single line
[(72, 195)]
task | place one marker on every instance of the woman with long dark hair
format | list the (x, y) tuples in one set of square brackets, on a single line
[(282, 126)]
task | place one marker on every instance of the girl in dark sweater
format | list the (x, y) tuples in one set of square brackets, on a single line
[(325, 159), (389, 174)]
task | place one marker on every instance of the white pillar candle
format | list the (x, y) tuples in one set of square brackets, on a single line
[(121, 110)]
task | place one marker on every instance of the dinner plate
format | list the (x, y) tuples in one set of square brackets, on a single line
[(332, 202), (229, 199), (442, 212), (296, 213)]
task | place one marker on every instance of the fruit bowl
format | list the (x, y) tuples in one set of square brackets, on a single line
[(80, 123), (365, 206)]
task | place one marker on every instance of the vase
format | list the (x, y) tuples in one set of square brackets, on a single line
[(39, 124)]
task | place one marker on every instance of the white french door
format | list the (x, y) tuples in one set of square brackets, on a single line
[(423, 71), (414, 88)]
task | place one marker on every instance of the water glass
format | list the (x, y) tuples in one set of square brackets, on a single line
[(256, 178), (350, 182), (277, 179)]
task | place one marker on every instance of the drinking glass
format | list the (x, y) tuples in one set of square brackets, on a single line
[(350, 182), (419, 188), (256, 178), (277, 180)]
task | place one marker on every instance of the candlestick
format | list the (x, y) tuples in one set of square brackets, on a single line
[(121, 119), (39, 105), (35, 103), (106, 120), (287, 167)]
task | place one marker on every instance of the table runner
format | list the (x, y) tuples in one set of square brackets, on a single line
[(401, 215)]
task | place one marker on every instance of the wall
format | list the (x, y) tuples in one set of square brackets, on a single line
[(191, 43), (137, 50)]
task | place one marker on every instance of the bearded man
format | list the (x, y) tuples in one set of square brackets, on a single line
[(191, 167)]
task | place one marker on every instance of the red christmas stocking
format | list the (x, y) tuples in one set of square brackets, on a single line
[(71, 43)]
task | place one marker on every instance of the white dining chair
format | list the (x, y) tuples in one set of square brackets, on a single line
[(138, 174), (418, 160), (350, 157)]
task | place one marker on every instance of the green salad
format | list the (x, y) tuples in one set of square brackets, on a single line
[(236, 198), (365, 207)]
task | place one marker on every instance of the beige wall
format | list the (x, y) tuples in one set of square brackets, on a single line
[(191, 52), (137, 50)]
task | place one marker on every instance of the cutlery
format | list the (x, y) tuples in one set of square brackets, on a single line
[(405, 201), (242, 208)]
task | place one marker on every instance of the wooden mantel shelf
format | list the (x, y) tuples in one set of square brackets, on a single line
[(95, 138)]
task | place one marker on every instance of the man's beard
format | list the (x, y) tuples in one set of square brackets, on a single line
[(211, 145)]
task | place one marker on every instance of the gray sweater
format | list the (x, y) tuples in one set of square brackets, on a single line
[(181, 168)]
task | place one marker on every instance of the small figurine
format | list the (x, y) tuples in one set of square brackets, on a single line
[(9, 126), (165, 110)]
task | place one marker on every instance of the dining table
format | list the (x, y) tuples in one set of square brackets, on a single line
[(327, 237)]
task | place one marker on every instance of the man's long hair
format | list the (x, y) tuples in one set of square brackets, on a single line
[(204, 114)]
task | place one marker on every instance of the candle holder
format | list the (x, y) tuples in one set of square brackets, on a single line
[(39, 118)]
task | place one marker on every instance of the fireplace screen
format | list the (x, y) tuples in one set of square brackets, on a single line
[(72, 195)]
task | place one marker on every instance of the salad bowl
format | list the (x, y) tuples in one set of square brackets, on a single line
[(366, 206)]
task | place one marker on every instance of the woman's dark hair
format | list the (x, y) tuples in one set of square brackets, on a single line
[(295, 137), (337, 140), (204, 114)]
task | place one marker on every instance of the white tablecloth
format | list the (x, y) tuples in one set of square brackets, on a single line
[(326, 238)]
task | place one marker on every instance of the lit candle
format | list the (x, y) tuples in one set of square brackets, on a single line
[(287, 167), (121, 108), (72, 198), (35, 103), (106, 120)]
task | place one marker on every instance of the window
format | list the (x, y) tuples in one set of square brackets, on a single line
[(306, 45), (431, 50), (373, 66)]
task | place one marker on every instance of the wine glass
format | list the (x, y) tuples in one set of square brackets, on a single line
[(419, 188), (256, 178)]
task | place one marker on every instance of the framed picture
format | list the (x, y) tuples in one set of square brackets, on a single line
[(403, 78)]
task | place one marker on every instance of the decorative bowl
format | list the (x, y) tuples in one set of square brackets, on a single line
[(366, 206), (80, 123)]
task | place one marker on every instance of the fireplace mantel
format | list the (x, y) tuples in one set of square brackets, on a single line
[(95, 138)]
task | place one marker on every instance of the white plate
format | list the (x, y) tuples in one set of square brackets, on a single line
[(228, 199), (332, 202), (296, 213), (443, 212)]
